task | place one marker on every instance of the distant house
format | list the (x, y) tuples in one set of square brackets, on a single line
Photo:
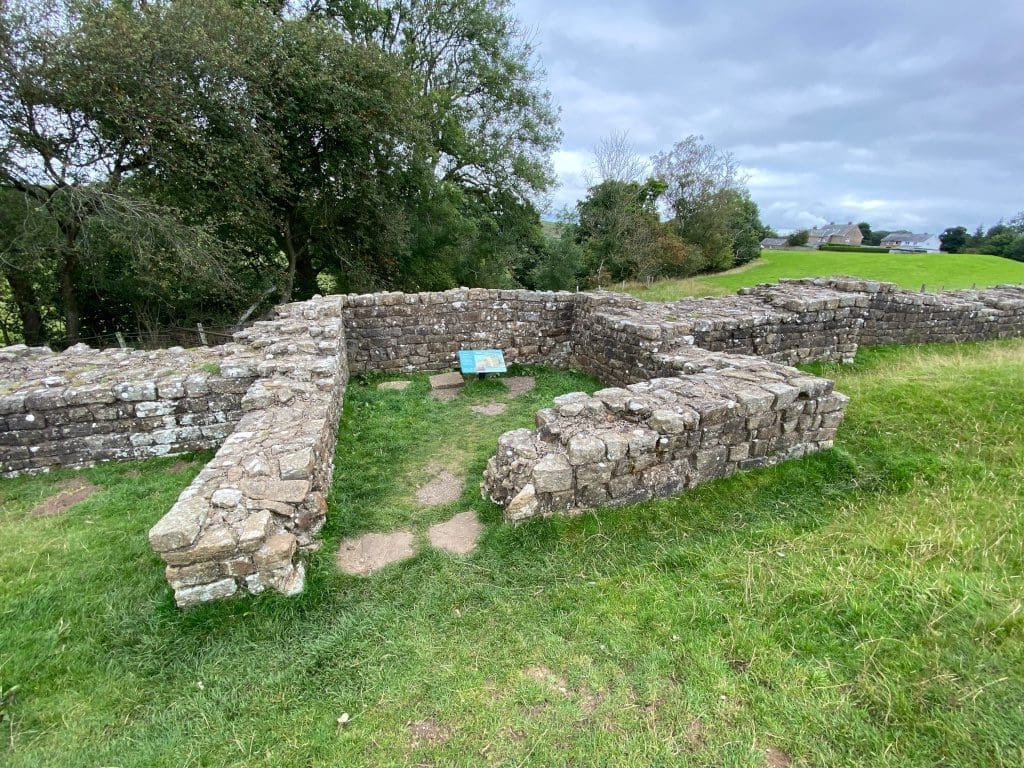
[(911, 242), (835, 234), (773, 242)]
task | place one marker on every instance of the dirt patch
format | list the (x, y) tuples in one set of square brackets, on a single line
[(739, 666), (179, 466), (428, 732), (776, 758), (445, 395), (548, 678), (69, 492), (394, 386), (518, 385), (367, 554), (695, 734), (490, 409), (458, 535), (444, 488)]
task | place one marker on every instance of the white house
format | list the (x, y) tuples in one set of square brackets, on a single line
[(912, 243)]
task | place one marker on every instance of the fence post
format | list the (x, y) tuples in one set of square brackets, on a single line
[(120, 340), (202, 334)]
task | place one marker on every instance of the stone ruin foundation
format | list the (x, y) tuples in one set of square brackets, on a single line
[(695, 389)]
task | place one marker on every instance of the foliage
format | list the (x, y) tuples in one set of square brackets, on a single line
[(364, 145), (744, 223), (622, 236), (703, 187), (847, 248), (798, 238), (1005, 238), (559, 266), (854, 607), (953, 240)]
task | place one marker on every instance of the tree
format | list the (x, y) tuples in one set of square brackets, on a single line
[(616, 159), (953, 240), (746, 228), (865, 230), (621, 233), (798, 238), (701, 187), (71, 174)]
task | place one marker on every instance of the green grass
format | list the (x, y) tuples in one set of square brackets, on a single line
[(936, 271), (860, 607)]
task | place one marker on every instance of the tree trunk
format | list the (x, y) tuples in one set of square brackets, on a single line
[(305, 275), (289, 281), (24, 294), (69, 297)]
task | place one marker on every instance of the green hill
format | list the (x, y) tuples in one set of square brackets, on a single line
[(936, 271)]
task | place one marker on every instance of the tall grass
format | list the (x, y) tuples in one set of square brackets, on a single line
[(859, 607)]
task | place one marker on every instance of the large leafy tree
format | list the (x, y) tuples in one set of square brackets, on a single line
[(71, 177), (708, 202), (622, 235)]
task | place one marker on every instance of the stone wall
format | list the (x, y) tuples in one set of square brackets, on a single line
[(84, 406), (659, 437), (700, 390), (425, 331), (242, 524)]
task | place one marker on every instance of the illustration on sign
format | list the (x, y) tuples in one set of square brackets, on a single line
[(482, 361)]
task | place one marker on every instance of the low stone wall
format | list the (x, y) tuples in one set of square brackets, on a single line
[(706, 393), (425, 331), (659, 437), (241, 526), (84, 406)]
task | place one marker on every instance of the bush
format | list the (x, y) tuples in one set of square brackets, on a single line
[(853, 248)]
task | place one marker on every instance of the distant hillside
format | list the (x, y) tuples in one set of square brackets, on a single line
[(936, 271)]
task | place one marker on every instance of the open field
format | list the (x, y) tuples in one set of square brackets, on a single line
[(937, 271), (859, 607)]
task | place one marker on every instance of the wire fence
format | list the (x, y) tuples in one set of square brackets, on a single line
[(160, 338)]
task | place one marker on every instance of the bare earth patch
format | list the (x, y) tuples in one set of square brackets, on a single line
[(445, 395), (518, 385), (490, 409), (695, 734), (444, 488), (428, 732), (549, 678), (776, 758), (395, 386), (179, 466), (69, 492), (369, 553), (458, 535)]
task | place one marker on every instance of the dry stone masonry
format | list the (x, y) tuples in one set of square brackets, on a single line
[(696, 389)]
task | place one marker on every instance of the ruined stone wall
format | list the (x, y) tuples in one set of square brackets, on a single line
[(657, 438), (84, 406), (705, 394), (242, 524), (425, 331)]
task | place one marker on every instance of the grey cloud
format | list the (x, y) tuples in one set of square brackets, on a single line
[(906, 114)]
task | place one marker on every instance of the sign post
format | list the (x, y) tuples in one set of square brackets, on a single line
[(482, 361)]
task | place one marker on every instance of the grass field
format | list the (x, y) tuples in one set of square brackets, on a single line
[(859, 607), (936, 271)]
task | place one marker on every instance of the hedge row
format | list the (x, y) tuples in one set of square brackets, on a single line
[(854, 248)]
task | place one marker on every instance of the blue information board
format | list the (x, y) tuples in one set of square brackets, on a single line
[(482, 361)]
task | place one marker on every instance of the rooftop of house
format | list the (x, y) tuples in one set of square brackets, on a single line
[(831, 230)]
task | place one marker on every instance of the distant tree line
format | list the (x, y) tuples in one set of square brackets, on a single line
[(162, 162), (685, 213), (1006, 238)]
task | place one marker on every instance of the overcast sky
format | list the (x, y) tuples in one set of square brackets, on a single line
[(907, 114)]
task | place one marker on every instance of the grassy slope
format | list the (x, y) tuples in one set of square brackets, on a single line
[(934, 270), (861, 607)]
